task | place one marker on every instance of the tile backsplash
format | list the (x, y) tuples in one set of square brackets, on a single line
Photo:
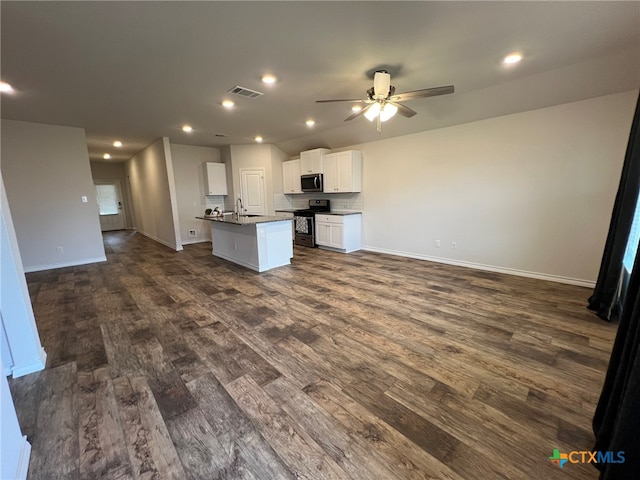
[(339, 201)]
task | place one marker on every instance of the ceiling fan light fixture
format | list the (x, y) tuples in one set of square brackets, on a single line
[(387, 112), (356, 108), (381, 84), (372, 113)]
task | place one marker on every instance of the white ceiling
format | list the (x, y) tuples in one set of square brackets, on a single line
[(136, 71)]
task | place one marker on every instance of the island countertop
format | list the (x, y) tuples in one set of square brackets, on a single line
[(232, 220)]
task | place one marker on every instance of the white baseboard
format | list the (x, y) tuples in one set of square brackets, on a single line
[(85, 261), (34, 366), (159, 240), (489, 268), (192, 242), (23, 460)]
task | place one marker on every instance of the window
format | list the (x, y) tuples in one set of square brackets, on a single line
[(107, 199)]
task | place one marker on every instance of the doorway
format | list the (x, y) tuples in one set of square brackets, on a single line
[(109, 198), (252, 191)]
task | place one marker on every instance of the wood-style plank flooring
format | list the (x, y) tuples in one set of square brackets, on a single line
[(165, 365)]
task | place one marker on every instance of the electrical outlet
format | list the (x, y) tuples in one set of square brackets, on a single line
[(59, 249), (192, 232), (437, 243), (453, 245)]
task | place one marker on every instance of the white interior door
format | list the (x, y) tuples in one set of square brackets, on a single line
[(252, 191), (110, 204)]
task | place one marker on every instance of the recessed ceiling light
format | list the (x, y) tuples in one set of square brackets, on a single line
[(512, 58), (187, 128), (228, 103), (356, 108), (5, 87), (117, 143), (258, 139), (310, 123), (106, 156), (268, 79)]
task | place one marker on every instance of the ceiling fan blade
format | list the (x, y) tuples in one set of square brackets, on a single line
[(342, 100), (358, 113), (404, 111), (426, 92)]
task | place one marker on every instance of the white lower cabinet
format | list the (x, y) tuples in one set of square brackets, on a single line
[(282, 214), (339, 232)]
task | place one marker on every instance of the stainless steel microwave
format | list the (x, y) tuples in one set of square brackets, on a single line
[(311, 183)]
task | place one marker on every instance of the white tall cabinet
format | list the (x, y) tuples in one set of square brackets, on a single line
[(291, 176), (343, 172)]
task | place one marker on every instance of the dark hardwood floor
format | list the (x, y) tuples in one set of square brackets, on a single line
[(362, 366)]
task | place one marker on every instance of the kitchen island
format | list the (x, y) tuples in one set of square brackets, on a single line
[(256, 242)]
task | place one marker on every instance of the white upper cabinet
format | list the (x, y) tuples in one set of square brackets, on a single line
[(215, 178), (343, 172), (311, 160), (291, 176)]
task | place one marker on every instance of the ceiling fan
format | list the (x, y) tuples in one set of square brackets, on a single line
[(382, 101)]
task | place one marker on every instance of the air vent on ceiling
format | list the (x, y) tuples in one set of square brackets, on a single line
[(223, 135), (245, 92)]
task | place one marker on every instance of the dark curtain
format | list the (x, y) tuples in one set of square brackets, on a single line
[(605, 295), (616, 423)]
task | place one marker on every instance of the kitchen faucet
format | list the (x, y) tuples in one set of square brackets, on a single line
[(238, 208)]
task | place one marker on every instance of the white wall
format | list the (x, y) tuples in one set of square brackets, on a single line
[(14, 447), (528, 193), (115, 171), (190, 189), (153, 194), (22, 352), (46, 174)]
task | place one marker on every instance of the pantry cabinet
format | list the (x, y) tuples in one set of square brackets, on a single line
[(339, 232), (311, 161), (343, 172), (291, 176)]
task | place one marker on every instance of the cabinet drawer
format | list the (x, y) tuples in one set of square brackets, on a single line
[(329, 218)]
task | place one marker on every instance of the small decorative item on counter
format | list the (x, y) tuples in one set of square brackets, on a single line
[(207, 212), (217, 212)]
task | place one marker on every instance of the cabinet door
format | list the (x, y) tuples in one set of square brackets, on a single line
[(291, 176), (330, 167), (344, 172), (311, 160), (322, 234), (336, 235), (215, 178)]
